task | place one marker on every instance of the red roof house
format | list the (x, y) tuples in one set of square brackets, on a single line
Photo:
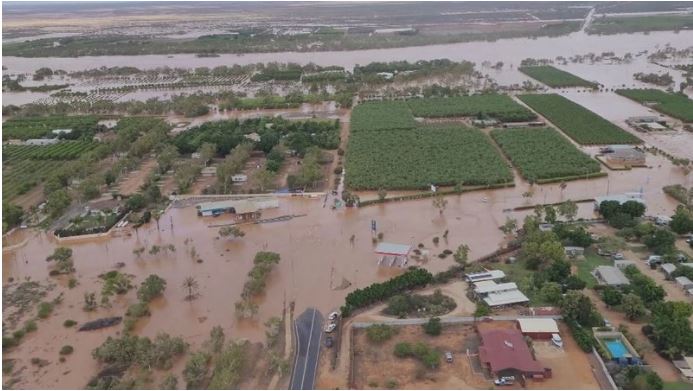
[(504, 352)]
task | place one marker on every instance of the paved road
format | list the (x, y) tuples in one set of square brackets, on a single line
[(448, 319), (308, 329)]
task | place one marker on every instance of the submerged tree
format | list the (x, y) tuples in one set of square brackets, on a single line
[(440, 203), (62, 256), (192, 288), (231, 232)]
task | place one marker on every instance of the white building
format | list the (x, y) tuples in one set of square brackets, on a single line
[(485, 276)]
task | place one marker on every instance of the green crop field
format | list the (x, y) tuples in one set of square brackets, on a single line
[(381, 116), (675, 105), (580, 124), (416, 158), (500, 107), (542, 153), (37, 127), (66, 150), (554, 77), (26, 166)]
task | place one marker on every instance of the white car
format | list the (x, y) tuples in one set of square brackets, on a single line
[(505, 381), (557, 340), (333, 315), (330, 327)]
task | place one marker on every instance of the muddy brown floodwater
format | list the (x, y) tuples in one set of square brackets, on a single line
[(316, 257)]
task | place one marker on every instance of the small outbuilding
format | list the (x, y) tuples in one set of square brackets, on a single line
[(574, 251), (393, 254), (668, 269), (485, 276), (610, 275), (684, 282), (538, 328)]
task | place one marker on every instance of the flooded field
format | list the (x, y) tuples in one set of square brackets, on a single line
[(318, 260)]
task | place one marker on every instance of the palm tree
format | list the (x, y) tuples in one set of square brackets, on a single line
[(191, 286)]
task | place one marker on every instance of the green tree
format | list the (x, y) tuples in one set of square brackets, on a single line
[(568, 209), (509, 226), (440, 203), (633, 306), (191, 286), (682, 221), (462, 254), (433, 326), (550, 214), (57, 202), (231, 232), (62, 256), (11, 216), (661, 241), (207, 152), (551, 292), (612, 296), (152, 287), (166, 157), (578, 307), (264, 179), (196, 369)]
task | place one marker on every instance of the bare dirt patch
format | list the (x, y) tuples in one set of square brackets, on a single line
[(375, 366), (133, 180)]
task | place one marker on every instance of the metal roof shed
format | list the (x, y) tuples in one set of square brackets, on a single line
[(538, 325), (668, 268), (684, 282), (505, 298), (392, 254), (485, 276), (611, 275)]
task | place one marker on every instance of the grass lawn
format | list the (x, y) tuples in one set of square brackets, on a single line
[(585, 267), (678, 385)]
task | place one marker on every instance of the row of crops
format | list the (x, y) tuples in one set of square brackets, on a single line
[(381, 116), (37, 127), (580, 124), (542, 154), (417, 158), (500, 107), (23, 175), (675, 105), (66, 150), (554, 77)]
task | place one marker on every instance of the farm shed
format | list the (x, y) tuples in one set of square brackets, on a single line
[(667, 269), (485, 276), (684, 282), (610, 275), (504, 352), (243, 209), (61, 131), (485, 287), (392, 254), (253, 137), (538, 328), (495, 294)]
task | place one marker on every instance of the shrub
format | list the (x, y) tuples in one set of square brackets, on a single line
[(69, 323), (379, 333), (45, 309), (65, 350), (30, 326), (152, 287), (433, 327)]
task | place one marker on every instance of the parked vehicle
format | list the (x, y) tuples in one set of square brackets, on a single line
[(329, 342), (333, 315), (330, 327), (505, 381), (603, 253), (557, 340), (617, 257), (448, 356)]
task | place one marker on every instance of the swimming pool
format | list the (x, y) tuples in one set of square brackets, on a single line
[(616, 348)]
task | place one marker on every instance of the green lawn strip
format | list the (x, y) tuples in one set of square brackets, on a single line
[(587, 265), (580, 124)]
